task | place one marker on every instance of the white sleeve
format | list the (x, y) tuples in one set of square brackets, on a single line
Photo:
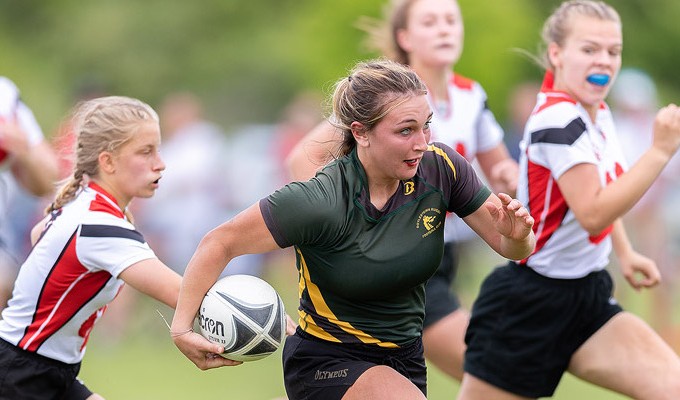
[(112, 248), (489, 131), (11, 106), (559, 148)]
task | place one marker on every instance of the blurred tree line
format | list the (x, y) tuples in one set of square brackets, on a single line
[(247, 59)]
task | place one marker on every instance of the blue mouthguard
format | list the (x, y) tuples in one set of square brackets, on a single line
[(598, 79)]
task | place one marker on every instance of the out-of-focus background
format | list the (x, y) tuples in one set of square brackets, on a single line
[(248, 59), (236, 84)]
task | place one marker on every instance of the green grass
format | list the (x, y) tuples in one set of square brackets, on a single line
[(148, 368), (145, 364)]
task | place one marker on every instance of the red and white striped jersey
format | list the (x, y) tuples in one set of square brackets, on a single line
[(559, 135), (466, 124), (71, 275)]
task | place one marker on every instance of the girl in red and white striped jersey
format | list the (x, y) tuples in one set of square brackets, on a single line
[(84, 250), (554, 311)]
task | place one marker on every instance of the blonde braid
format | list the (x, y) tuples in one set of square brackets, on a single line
[(67, 192)]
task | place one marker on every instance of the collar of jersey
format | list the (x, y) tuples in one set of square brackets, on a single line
[(105, 194)]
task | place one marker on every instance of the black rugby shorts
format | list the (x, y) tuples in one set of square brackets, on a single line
[(525, 327), (317, 369)]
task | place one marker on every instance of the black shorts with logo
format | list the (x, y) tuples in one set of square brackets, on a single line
[(26, 375), (525, 327), (440, 300), (318, 369)]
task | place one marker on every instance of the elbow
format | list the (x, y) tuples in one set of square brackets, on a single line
[(596, 224)]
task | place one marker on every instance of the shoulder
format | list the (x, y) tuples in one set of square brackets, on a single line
[(556, 120), (440, 156), (462, 82)]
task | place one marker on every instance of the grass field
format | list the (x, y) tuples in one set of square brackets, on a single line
[(146, 365)]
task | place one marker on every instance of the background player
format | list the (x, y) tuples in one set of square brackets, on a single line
[(26, 159), (554, 311)]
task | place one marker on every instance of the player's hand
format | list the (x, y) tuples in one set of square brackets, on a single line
[(13, 138), (202, 352), (512, 219), (667, 130), (640, 271)]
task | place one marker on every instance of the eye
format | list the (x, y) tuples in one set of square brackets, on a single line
[(406, 131), (426, 127)]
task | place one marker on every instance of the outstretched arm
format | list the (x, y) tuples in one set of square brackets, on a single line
[(597, 207), (35, 165), (246, 233)]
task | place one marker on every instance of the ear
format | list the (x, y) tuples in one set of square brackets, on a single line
[(403, 40), (554, 55), (360, 134), (106, 162)]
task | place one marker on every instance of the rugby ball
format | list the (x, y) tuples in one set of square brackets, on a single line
[(245, 315)]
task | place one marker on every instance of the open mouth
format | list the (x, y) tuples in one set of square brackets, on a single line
[(412, 162)]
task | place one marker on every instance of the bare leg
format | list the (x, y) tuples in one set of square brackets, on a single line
[(383, 383), (444, 343), (473, 388), (628, 357)]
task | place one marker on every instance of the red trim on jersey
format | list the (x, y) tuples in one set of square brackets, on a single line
[(100, 204), (548, 82), (68, 287), (462, 82), (596, 239), (3, 152), (544, 192), (460, 149), (552, 96), (600, 237), (552, 99)]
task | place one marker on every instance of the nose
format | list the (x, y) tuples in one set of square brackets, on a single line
[(604, 58), (422, 140), (159, 164)]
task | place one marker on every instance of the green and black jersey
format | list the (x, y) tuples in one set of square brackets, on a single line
[(362, 270)]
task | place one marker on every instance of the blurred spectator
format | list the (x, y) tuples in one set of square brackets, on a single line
[(300, 116), (260, 150), (634, 105), (520, 105), (26, 164)]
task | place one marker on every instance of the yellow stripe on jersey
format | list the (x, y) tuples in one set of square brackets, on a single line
[(443, 154), (324, 311)]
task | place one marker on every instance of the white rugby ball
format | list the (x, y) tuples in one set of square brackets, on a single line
[(245, 315)]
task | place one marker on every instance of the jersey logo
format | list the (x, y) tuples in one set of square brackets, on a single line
[(409, 187), (429, 221)]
